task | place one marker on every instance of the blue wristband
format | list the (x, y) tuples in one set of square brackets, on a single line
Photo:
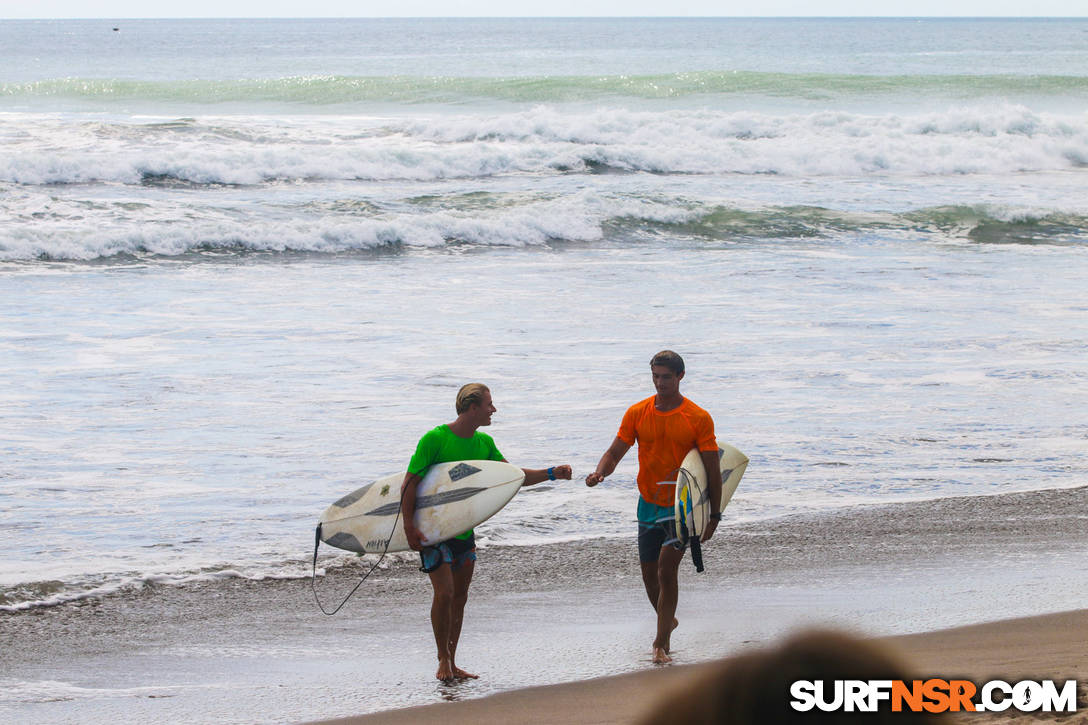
[(551, 473)]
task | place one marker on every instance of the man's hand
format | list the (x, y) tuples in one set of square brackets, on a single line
[(414, 536), (563, 472), (711, 526), (593, 479)]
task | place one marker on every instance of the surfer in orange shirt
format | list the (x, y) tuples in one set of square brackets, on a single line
[(666, 426)]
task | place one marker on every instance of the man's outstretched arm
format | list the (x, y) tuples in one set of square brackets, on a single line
[(609, 461), (539, 475)]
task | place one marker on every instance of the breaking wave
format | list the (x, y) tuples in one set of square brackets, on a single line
[(347, 228), (545, 140)]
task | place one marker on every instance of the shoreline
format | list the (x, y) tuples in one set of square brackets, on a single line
[(259, 651), (1004, 517), (1007, 649)]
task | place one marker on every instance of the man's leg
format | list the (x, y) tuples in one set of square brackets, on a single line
[(668, 569), (462, 578), (441, 619), (650, 539), (650, 581)]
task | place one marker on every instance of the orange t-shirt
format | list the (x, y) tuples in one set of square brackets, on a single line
[(663, 441)]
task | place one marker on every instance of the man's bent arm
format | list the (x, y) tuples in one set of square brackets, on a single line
[(609, 461), (408, 510), (714, 486)]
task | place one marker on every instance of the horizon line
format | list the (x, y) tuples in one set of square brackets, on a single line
[(563, 17)]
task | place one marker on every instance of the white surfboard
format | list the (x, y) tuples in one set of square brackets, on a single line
[(691, 484), (451, 499)]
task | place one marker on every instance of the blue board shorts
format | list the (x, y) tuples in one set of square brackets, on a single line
[(656, 528), (454, 552)]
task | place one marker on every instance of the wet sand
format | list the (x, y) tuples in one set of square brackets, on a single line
[(1045, 647), (563, 615)]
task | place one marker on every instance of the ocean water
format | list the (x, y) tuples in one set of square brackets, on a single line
[(244, 265)]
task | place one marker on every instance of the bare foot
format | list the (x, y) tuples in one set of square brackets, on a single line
[(462, 675), (445, 672), (661, 657), (668, 648)]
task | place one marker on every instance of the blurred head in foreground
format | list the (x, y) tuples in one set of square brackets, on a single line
[(755, 687)]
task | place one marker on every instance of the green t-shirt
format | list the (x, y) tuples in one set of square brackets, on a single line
[(442, 445)]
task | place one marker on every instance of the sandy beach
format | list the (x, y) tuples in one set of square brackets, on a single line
[(1045, 647), (951, 581)]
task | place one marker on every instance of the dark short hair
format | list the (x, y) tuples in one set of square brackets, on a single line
[(669, 359)]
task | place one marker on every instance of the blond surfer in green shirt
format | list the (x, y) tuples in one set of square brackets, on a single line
[(450, 564)]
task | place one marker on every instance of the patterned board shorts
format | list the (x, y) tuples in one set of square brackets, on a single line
[(656, 528), (454, 552)]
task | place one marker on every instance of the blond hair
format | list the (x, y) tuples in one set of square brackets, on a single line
[(470, 394)]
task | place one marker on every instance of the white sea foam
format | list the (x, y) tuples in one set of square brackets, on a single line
[(78, 230), (74, 591), (71, 225), (224, 151), (16, 692)]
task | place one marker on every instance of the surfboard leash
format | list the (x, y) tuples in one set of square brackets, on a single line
[(686, 530), (317, 545), (688, 525)]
